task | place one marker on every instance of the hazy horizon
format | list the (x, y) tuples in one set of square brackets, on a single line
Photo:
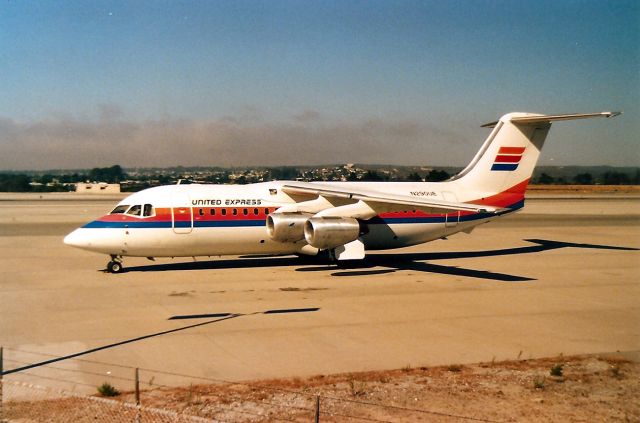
[(147, 84), (366, 166)]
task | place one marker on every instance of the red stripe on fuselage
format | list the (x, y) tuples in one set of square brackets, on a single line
[(506, 198), (183, 214)]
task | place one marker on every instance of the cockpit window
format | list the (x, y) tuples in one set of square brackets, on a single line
[(135, 210), (119, 209), (148, 210)]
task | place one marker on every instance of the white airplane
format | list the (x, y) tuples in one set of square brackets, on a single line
[(343, 218)]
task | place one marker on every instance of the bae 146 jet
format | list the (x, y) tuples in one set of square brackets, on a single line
[(344, 219)]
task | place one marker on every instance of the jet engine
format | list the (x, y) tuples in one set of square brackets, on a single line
[(330, 232), (286, 227)]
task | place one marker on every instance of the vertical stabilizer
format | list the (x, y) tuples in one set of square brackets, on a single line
[(506, 161)]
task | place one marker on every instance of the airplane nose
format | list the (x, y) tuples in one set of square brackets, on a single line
[(96, 239), (76, 239)]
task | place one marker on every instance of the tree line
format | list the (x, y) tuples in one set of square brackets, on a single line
[(21, 182), (607, 178), (48, 182)]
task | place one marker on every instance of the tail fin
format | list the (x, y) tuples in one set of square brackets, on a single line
[(506, 161)]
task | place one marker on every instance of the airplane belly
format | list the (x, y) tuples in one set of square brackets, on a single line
[(383, 236), (204, 242)]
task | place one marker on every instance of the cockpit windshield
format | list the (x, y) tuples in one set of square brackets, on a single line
[(137, 210), (120, 209)]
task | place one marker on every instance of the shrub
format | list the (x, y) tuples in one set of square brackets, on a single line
[(556, 370), (615, 371), (107, 390), (357, 388)]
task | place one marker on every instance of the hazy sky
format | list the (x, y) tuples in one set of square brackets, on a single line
[(164, 83)]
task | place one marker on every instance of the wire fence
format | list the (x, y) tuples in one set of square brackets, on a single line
[(25, 402), (66, 391)]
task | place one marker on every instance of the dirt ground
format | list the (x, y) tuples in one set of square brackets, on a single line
[(569, 389), (588, 388)]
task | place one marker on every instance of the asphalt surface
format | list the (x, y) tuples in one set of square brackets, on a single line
[(563, 276)]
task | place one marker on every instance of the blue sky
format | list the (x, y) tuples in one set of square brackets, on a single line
[(158, 83)]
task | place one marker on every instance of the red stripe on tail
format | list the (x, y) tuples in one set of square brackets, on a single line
[(508, 159), (511, 150)]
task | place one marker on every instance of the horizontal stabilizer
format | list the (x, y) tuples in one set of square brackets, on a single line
[(526, 120)]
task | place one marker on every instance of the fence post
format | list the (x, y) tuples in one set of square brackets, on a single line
[(1, 383), (317, 416), (137, 386)]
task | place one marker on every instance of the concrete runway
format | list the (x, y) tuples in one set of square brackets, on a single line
[(563, 276)]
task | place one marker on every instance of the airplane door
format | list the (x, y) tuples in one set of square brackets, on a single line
[(451, 219), (182, 217)]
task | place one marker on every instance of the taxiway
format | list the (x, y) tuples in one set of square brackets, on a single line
[(563, 276)]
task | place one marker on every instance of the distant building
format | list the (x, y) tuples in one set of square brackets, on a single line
[(97, 188)]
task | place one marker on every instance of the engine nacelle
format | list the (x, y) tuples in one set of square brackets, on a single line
[(286, 227), (330, 232)]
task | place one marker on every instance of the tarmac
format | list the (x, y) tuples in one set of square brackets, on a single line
[(560, 277)]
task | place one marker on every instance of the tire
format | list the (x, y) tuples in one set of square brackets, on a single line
[(114, 267)]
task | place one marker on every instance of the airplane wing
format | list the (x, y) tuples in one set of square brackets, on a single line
[(379, 200)]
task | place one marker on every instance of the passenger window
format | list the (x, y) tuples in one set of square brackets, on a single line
[(235, 212), (201, 212), (148, 210), (212, 212), (266, 211), (135, 210), (245, 212), (120, 209), (224, 212), (255, 211)]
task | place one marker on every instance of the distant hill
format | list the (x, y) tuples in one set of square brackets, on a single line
[(135, 179)]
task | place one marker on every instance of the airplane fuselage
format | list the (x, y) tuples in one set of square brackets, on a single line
[(210, 220)]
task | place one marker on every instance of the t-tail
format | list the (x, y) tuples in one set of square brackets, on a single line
[(504, 164)]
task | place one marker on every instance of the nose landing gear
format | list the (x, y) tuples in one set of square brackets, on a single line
[(115, 265)]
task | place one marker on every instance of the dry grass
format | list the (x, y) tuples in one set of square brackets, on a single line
[(591, 389)]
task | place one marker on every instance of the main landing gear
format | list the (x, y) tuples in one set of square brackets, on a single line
[(115, 265)]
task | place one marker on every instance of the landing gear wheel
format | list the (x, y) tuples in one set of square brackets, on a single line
[(114, 267)]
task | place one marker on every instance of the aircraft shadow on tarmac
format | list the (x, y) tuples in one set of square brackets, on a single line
[(212, 318), (417, 262)]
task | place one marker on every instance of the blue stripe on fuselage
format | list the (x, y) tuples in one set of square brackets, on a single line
[(255, 223), (125, 225), (167, 224)]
